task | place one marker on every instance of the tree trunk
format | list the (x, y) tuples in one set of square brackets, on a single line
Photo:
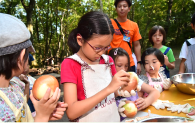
[(38, 40), (47, 32), (170, 3), (101, 5), (51, 27), (29, 11), (148, 23)]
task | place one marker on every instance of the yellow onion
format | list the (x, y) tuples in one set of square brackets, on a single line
[(42, 84), (132, 85), (130, 109)]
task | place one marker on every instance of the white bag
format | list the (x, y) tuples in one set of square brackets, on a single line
[(135, 61)]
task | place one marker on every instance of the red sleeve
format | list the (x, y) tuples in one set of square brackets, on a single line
[(69, 71), (113, 69)]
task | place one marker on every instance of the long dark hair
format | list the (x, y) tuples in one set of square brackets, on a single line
[(116, 52), (153, 31), (94, 22)]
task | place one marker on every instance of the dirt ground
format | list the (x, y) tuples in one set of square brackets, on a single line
[(176, 52)]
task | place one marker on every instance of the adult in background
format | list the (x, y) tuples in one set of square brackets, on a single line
[(126, 33), (187, 53)]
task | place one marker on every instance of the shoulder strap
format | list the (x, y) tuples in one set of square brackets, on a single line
[(121, 30), (119, 26), (106, 58), (167, 50), (188, 43), (76, 58)]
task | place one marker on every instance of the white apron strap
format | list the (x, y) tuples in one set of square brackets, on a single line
[(107, 62), (84, 65), (76, 58), (154, 83), (151, 83)]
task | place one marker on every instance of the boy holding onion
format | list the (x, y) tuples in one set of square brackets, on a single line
[(15, 46)]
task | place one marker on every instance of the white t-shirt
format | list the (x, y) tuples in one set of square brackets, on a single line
[(184, 49)]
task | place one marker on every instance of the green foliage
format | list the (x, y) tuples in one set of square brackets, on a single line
[(53, 21)]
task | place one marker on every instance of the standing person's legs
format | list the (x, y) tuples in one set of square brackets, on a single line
[(132, 69)]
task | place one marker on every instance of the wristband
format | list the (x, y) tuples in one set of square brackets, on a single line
[(140, 62)]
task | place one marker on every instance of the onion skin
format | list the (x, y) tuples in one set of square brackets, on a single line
[(130, 109), (42, 84), (132, 85)]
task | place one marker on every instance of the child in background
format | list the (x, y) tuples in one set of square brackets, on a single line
[(15, 45), (157, 37), (121, 60), (153, 59), (187, 55), (25, 81), (88, 76)]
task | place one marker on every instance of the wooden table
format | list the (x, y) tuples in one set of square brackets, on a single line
[(175, 96)]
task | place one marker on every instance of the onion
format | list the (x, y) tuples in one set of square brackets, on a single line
[(132, 85), (42, 84), (130, 109)]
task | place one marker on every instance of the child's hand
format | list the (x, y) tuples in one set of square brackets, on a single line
[(124, 93), (167, 83), (59, 111), (46, 105), (120, 107), (140, 103), (158, 87), (23, 78), (166, 60), (120, 78)]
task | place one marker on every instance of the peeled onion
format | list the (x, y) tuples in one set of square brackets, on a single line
[(132, 85), (130, 109), (42, 84)]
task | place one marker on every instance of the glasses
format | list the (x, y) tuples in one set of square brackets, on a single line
[(98, 49)]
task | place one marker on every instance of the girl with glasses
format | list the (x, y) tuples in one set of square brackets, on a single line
[(88, 76)]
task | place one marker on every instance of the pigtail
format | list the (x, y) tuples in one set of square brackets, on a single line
[(72, 41)]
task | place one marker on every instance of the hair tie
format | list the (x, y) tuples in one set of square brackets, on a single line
[(115, 52)]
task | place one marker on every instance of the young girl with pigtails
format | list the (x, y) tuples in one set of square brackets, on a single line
[(121, 60)]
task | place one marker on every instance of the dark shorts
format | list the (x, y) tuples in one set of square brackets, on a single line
[(132, 68)]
